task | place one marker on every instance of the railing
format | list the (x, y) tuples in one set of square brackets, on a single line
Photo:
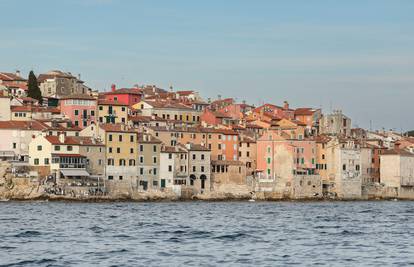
[(72, 166)]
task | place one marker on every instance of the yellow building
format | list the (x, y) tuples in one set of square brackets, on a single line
[(112, 112), (169, 110)]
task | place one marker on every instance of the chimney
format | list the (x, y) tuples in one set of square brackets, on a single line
[(113, 88), (18, 73), (61, 137), (285, 105)]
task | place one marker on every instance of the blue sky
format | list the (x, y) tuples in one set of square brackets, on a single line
[(353, 55)]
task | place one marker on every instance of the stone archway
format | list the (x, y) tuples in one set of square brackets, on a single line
[(192, 179)]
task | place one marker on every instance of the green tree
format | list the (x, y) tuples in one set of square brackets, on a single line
[(33, 88)]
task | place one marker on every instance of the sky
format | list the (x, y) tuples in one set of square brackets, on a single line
[(353, 55)]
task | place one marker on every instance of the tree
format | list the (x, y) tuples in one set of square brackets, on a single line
[(33, 88)]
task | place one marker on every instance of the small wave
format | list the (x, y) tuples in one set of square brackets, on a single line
[(96, 229), (30, 263), (232, 237), (346, 232), (28, 233)]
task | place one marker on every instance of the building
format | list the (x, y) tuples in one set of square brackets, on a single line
[(112, 112), (310, 117), (173, 166), (5, 112), (199, 158), (343, 168), (397, 171), (56, 83), (169, 110), (335, 123), (248, 153), (15, 137), (65, 157), (13, 83), (81, 110), (126, 96), (148, 155)]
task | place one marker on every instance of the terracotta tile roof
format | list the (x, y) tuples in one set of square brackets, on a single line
[(74, 140), (196, 147), (400, 152), (149, 139), (139, 118), (23, 125), (116, 127), (12, 84), (168, 105), (305, 111), (172, 149), (7, 76), (185, 93), (129, 91), (54, 74), (29, 108), (227, 162)]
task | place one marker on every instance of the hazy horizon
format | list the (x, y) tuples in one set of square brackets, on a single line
[(355, 55)]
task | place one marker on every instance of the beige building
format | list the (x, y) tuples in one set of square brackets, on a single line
[(397, 171), (199, 167), (5, 113), (169, 110), (343, 157), (148, 149)]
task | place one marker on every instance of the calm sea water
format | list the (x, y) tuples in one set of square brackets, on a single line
[(207, 234)]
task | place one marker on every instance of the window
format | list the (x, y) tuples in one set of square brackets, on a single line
[(131, 138), (155, 159), (141, 171), (131, 151), (219, 146), (76, 112), (92, 113), (154, 171), (141, 148), (141, 159), (39, 148), (46, 161), (202, 168), (344, 167), (110, 177), (169, 156), (110, 162), (154, 148), (357, 167), (313, 161), (323, 156), (194, 156), (70, 148), (109, 149), (120, 138), (123, 108), (110, 137), (121, 162), (269, 160), (36, 161), (169, 168), (121, 177), (202, 156), (247, 154), (131, 162), (302, 161), (100, 108), (118, 150), (194, 168)]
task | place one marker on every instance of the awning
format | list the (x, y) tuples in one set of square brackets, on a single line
[(74, 172)]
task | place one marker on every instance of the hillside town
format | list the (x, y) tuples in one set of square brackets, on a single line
[(147, 142)]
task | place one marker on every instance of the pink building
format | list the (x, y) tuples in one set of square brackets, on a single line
[(80, 109), (127, 96), (279, 156)]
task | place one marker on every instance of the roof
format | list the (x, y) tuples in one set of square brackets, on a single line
[(7, 76), (116, 127), (167, 105), (23, 125), (185, 93), (79, 96), (29, 108), (148, 139), (196, 147), (54, 74), (74, 140), (68, 155), (400, 152), (129, 91), (305, 111), (172, 149)]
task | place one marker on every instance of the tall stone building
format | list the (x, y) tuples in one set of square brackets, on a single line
[(335, 123), (56, 83)]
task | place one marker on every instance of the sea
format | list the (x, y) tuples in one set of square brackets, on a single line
[(377, 233)]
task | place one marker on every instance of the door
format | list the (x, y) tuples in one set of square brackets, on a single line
[(162, 183)]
